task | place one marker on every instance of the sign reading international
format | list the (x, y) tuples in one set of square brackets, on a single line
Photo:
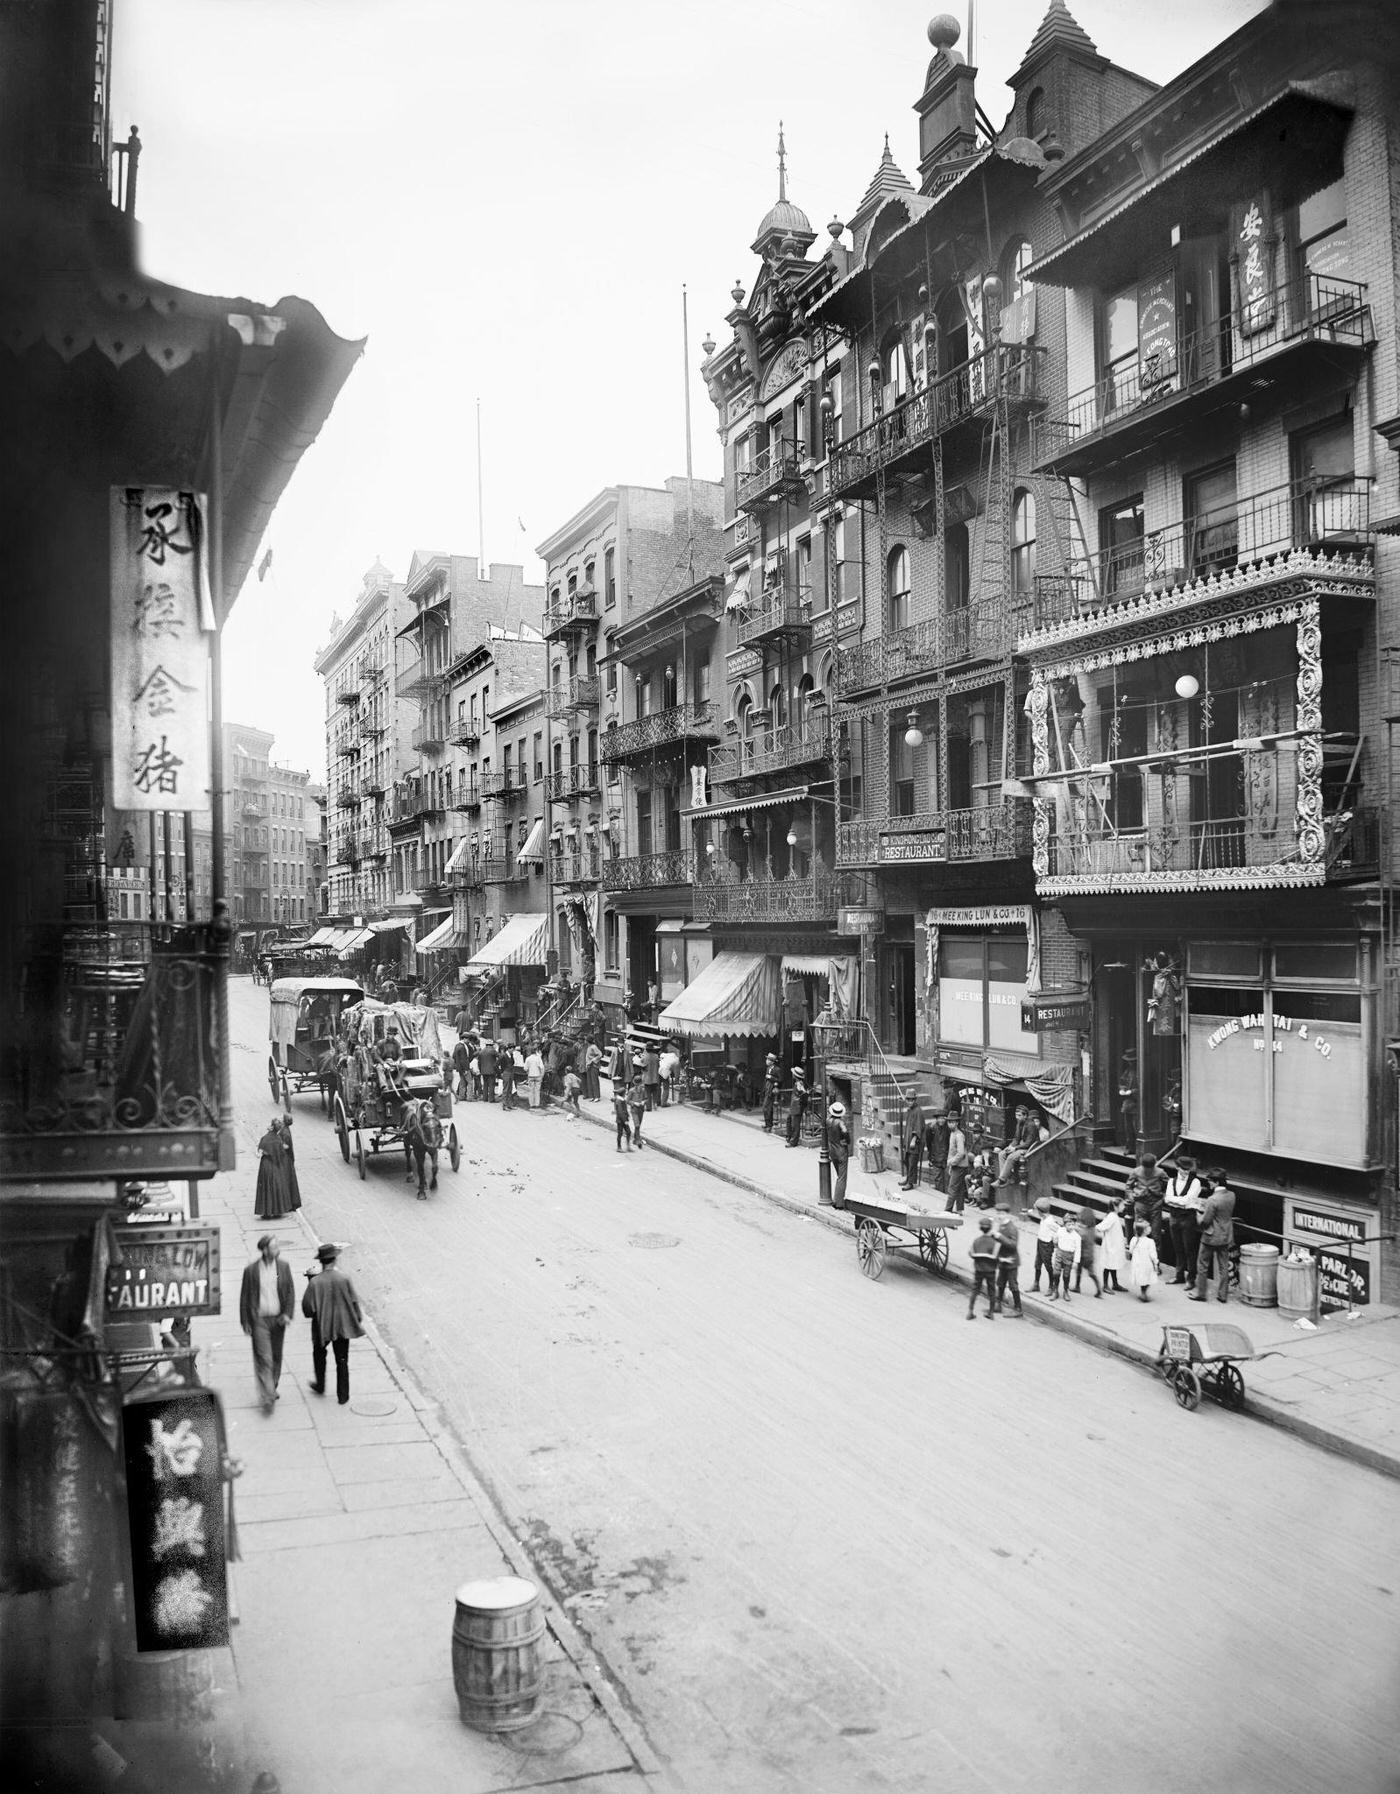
[(173, 1449), (1067, 1010), (164, 1270), (161, 627)]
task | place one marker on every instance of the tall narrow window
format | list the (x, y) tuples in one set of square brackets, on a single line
[(1324, 240), (901, 772), (1119, 331), (1023, 545), (610, 577), (898, 567), (643, 822), (957, 567), (833, 392), (804, 569), (1212, 521), (1121, 532)]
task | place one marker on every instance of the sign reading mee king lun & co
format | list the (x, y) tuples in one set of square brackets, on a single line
[(164, 1270)]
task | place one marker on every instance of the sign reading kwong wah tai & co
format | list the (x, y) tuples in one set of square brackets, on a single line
[(163, 1270)]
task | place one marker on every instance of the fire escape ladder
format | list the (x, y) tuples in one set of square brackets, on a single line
[(994, 548), (1076, 565)]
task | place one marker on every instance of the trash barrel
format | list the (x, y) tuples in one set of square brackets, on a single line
[(1259, 1275), (872, 1155), (496, 1667), (1297, 1288)]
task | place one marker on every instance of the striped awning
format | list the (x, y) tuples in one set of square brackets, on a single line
[(522, 941), (321, 938), (458, 857), (445, 935), (736, 996), (532, 848), (770, 800)]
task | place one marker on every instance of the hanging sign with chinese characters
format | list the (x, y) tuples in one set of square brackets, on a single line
[(173, 1449), (1254, 251), (162, 625)]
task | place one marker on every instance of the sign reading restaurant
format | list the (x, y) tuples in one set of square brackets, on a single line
[(1067, 1010), (164, 1270)]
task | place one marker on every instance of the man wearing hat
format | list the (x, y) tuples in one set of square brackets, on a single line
[(770, 1091), (333, 1308), (1185, 1198), (266, 1303), (797, 1105), (838, 1150)]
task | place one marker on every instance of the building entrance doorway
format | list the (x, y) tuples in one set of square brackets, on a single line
[(899, 1000)]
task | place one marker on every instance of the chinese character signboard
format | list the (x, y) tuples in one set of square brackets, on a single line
[(173, 1446), (1254, 250), (163, 1270), (162, 623)]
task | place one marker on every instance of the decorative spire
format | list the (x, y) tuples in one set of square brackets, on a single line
[(782, 163)]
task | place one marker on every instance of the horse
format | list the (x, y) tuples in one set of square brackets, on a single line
[(422, 1134)]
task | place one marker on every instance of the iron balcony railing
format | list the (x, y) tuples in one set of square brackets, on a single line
[(468, 797), (467, 875), (773, 750), (581, 692), (681, 723), (1012, 369), (1252, 532), (349, 694), (466, 732), (810, 899), (117, 1032), (1198, 851), (576, 868), (508, 782), (783, 613), (647, 871), (430, 737), (992, 832), (501, 869), (773, 470), (575, 610), (572, 781), (1318, 308)]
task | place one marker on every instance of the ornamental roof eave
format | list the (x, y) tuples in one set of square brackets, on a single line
[(1121, 884), (1301, 572)]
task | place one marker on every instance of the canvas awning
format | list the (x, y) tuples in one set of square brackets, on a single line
[(736, 996), (770, 800), (444, 936), (807, 962), (321, 938), (458, 857), (521, 942), (532, 848)]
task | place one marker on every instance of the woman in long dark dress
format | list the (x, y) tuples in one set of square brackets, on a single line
[(277, 1192)]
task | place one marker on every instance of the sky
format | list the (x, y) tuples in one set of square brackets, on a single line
[(506, 200)]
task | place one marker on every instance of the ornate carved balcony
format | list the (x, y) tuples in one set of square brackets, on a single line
[(571, 614), (776, 472), (905, 654), (572, 781), (117, 1074), (576, 869), (649, 871), (771, 751), (783, 613), (961, 396), (811, 899), (666, 728), (582, 692), (995, 832)]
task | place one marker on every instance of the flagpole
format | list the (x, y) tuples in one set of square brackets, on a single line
[(480, 525), (689, 485)]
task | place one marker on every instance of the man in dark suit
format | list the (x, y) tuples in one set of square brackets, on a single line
[(911, 1140), (1217, 1237), (333, 1308), (266, 1303), (797, 1106)]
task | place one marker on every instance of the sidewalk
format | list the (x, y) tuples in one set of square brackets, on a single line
[(357, 1525), (1338, 1387)]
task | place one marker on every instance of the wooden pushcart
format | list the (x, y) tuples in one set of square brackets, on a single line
[(885, 1227), (1203, 1357)]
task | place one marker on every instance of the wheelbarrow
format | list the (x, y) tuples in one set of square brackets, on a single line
[(1204, 1358)]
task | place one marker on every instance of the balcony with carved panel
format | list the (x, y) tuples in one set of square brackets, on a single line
[(681, 724), (774, 473), (570, 870), (508, 783), (1000, 831), (571, 614), (572, 782), (901, 436), (780, 751), (782, 613), (121, 1079), (795, 899), (581, 692), (649, 871)]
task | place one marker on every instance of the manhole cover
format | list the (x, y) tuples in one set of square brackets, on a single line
[(373, 1410), (653, 1240)]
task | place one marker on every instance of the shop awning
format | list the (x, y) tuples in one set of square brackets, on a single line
[(735, 996), (387, 927), (458, 857), (321, 938), (350, 940), (445, 935), (521, 942), (808, 962), (770, 800), (532, 849)]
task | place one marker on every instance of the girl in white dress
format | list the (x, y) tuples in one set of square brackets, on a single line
[(1143, 1252), (1113, 1259)]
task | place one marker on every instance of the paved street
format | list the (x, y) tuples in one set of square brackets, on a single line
[(828, 1535)]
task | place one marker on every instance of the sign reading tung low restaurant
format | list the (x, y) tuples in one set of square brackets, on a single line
[(163, 1270), (173, 1453)]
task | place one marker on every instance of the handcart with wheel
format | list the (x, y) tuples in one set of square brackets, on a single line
[(884, 1227), (1204, 1358)]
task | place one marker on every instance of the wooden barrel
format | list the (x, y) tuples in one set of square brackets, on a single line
[(496, 1665), (1297, 1289), (1259, 1275)]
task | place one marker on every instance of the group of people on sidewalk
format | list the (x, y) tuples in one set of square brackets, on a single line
[(266, 1308)]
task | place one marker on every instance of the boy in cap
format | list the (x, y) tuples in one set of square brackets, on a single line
[(985, 1251), (330, 1303)]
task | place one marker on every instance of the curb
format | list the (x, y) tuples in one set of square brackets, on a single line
[(1259, 1408)]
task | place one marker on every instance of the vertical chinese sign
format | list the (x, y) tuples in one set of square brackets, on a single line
[(173, 1447), (1254, 252), (162, 622)]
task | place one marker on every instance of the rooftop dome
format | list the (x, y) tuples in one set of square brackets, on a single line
[(784, 219)]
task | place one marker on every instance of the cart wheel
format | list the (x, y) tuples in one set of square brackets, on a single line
[(933, 1248), (1229, 1388), (286, 1094), (870, 1248), (1166, 1367), (454, 1147), (1188, 1387), (360, 1153), (273, 1072), (342, 1129)]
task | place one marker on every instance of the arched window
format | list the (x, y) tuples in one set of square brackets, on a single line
[(1035, 112), (1023, 544), (805, 718), (894, 370), (898, 569), (743, 717), (777, 707)]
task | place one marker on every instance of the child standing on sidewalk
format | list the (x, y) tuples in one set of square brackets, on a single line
[(624, 1130), (1143, 1253), (1087, 1241), (1067, 1249), (1115, 1258), (984, 1251), (573, 1083), (1008, 1235), (1045, 1246)]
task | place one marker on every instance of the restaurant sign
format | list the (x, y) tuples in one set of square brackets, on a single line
[(173, 1449), (854, 920), (163, 1270), (1067, 1010)]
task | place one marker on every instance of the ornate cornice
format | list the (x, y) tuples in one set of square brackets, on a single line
[(1136, 884), (1226, 621)]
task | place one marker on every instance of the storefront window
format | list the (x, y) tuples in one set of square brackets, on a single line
[(982, 980)]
